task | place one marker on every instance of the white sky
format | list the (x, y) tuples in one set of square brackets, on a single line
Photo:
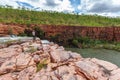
[(101, 7)]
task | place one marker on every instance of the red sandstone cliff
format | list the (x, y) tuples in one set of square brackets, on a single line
[(103, 33)]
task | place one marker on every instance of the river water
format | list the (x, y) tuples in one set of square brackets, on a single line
[(103, 54), (5, 39)]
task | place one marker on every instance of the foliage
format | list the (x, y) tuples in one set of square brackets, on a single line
[(41, 65), (54, 38), (23, 16), (22, 34), (28, 32), (84, 39), (39, 32), (75, 42), (90, 43), (84, 42)]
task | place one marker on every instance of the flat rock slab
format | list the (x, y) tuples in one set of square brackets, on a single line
[(37, 61)]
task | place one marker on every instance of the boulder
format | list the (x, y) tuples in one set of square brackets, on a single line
[(24, 61)]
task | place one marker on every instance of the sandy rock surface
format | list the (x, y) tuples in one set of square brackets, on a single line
[(36, 61)]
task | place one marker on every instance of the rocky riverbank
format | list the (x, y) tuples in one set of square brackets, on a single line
[(36, 61)]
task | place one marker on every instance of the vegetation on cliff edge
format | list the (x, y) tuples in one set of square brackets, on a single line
[(9, 15)]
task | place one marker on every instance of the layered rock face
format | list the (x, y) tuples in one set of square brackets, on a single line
[(7, 29), (36, 61), (68, 32)]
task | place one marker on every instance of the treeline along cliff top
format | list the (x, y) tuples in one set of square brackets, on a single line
[(23, 16)]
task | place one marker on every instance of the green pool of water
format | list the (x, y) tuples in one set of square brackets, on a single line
[(103, 54)]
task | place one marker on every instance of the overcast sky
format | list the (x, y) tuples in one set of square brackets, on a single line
[(100, 7)]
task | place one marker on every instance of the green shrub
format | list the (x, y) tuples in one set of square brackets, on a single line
[(55, 38), (22, 34), (75, 42), (28, 32), (83, 39), (90, 43), (39, 32), (41, 65)]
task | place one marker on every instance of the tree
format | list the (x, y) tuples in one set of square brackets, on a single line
[(39, 32)]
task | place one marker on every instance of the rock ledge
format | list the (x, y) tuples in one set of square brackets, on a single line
[(36, 61)]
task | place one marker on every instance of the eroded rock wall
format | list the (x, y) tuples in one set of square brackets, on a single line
[(102, 33), (7, 29)]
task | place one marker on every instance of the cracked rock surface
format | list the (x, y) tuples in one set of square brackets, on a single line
[(36, 61)]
